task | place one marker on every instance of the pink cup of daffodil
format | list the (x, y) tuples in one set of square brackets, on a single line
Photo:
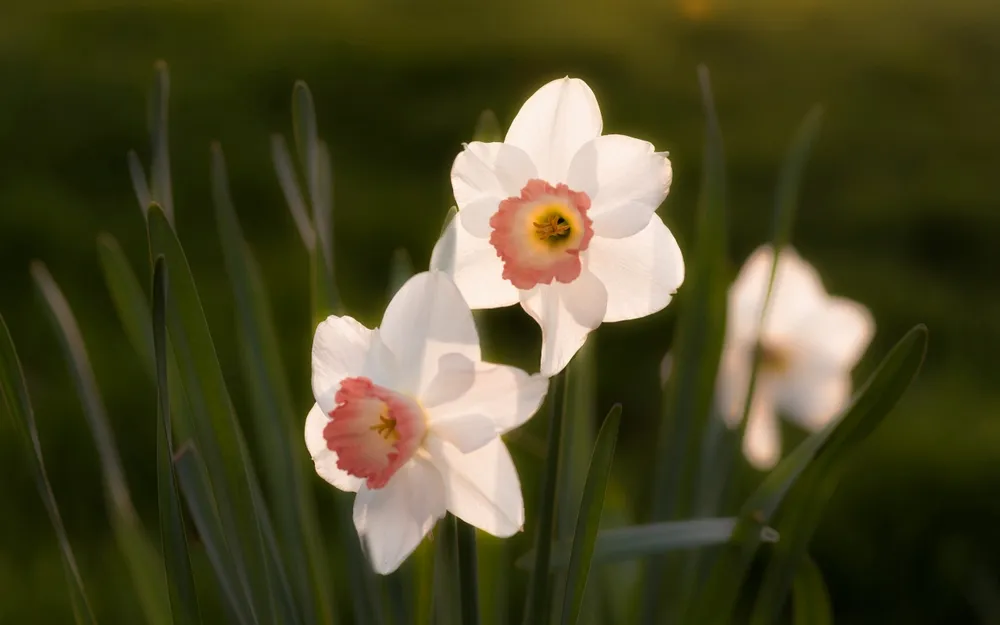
[(409, 417), (561, 219)]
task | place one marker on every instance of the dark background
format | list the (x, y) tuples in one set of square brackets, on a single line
[(900, 210)]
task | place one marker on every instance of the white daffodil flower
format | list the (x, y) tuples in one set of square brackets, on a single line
[(562, 219), (409, 417), (807, 346)]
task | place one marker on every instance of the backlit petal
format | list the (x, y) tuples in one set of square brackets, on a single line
[(812, 397), (762, 438), (566, 314), (394, 519), (475, 268), (339, 349), (626, 179), (324, 458), (553, 123), (426, 319), (641, 272), (797, 293), (482, 487), (489, 170), (506, 396), (838, 333)]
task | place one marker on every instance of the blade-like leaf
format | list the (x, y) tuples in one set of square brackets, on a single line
[(687, 396), (139, 183), (173, 535), (14, 396), (638, 541), (145, 565), (162, 191), (589, 517), (400, 271), (217, 433), (811, 603), (447, 603), (290, 188), (306, 139), (128, 297), (537, 605), (818, 452), (468, 573), (488, 128), (273, 410)]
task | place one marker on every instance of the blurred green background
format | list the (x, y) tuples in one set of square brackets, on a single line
[(900, 210)]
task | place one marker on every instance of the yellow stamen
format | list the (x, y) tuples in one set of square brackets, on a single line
[(551, 227), (386, 427)]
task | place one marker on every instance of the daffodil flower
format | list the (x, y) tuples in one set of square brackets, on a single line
[(806, 348), (409, 417), (562, 219)]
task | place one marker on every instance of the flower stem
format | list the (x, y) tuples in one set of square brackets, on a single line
[(537, 607), (467, 571)]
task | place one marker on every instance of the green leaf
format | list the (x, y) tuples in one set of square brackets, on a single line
[(447, 603), (638, 541), (145, 565), (818, 453), (139, 183), (589, 517), (173, 535), (162, 192), (537, 605), (578, 437), (811, 604), (306, 138), (698, 338), (400, 270), (217, 435), (14, 393), (129, 299), (290, 188), (468, 573), (488, 128), (274, 415)]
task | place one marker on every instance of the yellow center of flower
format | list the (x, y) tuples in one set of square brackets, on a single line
[(553, 226), (771, 358), (386, 426)]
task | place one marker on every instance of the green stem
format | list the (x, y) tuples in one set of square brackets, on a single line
[(537, 607), (467, 571)]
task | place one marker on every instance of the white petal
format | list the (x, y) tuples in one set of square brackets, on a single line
[(641, 272), (467, 432), (552, 125), (474, 266), (506, 396), (482, 487), (339, 349), (381, 365), (762, 439), (566, 313), (732, 382), (489, 170), (838, 333), (394, 519), (426, 319), (797, 293), (326, 460), (626, 179), (476, 216), (813, 397)]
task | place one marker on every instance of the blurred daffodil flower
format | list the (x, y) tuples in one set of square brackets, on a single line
[(409, 417), (805, 350), (562, 219)]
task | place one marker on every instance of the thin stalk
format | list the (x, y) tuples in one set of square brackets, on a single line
[(467, 571)]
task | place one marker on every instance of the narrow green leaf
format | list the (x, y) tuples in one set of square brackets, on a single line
[(447, 603), (128, 297), (488, 128), (811, 605), (638, 541), (14, 393), (273, 410), (323, 203), (192, 477), (494, 579), (139, 183), (468, 573), (537, 605), (290, 188), (145, 565), (578, 437), (306, 138), (173, 535), (400, 270), (162, 192), (217, 433), (817, 453), (589, 518), (687, 395)]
